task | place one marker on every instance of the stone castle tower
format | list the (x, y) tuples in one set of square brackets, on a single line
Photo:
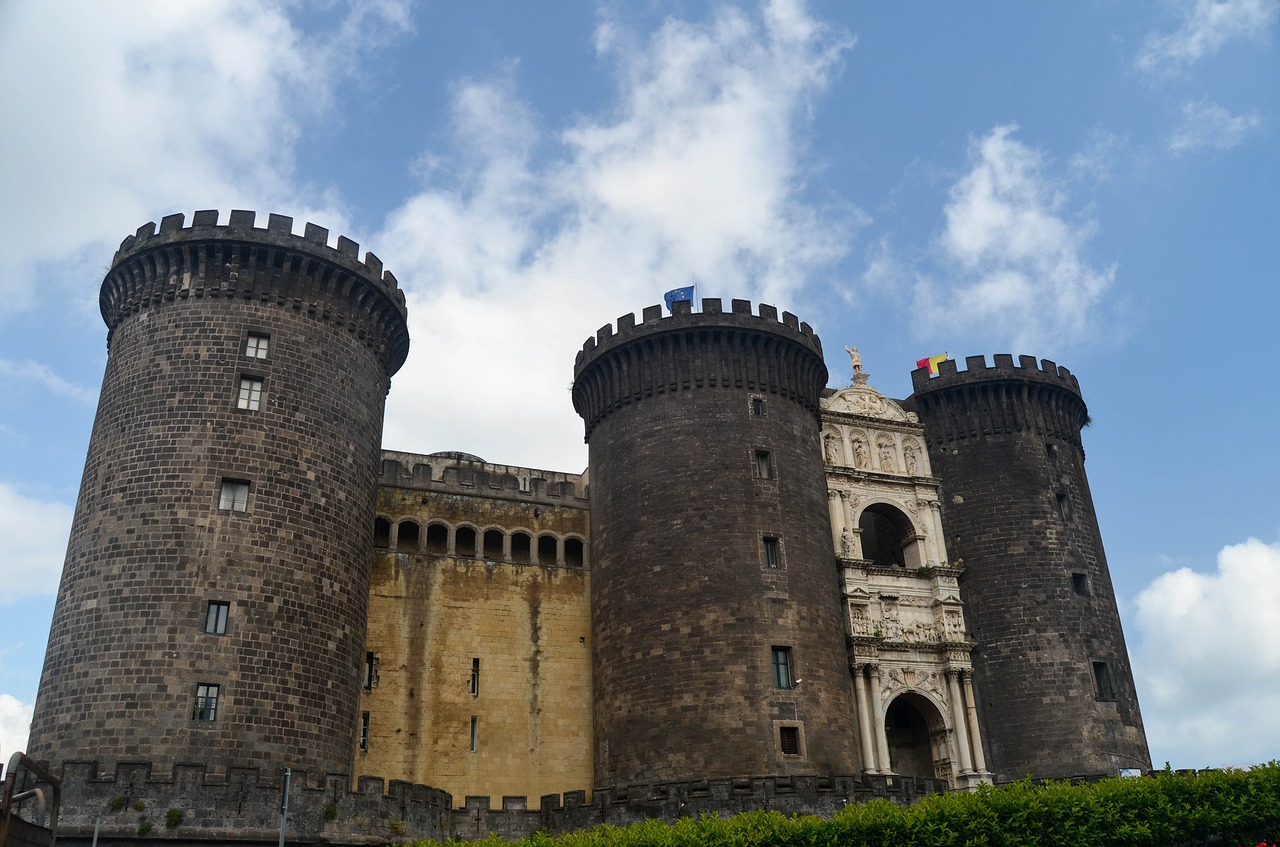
[(718, 642), (1058, 692), (213, 601)]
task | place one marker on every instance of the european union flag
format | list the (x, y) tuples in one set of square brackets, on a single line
[(675, 294)]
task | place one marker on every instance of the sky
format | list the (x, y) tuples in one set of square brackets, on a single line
[(1094, 182)]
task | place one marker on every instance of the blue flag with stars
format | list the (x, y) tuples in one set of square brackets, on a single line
[(675, 294)]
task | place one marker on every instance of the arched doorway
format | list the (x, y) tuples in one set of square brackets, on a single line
[(917, 737), (888, 537)]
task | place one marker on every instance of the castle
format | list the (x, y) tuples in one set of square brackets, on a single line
[(763, 592)]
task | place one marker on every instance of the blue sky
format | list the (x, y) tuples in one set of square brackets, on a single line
[(1093, 182)]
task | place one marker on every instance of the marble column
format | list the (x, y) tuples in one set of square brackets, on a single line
[(959, 719), (877, 708), (864, 720), (971, 709)]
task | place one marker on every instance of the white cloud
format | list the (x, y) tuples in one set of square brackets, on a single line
[(128, 112), (41, 374), (691, 177), (35, 539), (1010, 259), (1206, 124), (1208, 658), (1207, 25), (15, 724)]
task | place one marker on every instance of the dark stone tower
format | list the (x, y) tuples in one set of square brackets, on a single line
[(714, 584), (1051, 664), (213, 601)]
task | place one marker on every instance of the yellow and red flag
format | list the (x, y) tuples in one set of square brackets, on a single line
[(931, 363)]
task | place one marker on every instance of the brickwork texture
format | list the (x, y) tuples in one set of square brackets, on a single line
[(690, 481), (1016, 507), (155, 540)]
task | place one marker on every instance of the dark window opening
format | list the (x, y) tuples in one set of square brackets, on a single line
[(407, 537), (381, 532), (474, 733), (474, 685), (789, 740), (1102, 681), (772, 553), (764, 465), (493, 544), (206, 706), (364, 730), (757, 407), (464, 541), (215, 619), (782, 668), (437, 539), (1064, 507), (547, 549), (521, 547), (573, 552), (1080, 582)]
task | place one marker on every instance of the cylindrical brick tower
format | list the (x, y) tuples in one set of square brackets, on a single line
[(1051, 661), (213, 601), (718, 643)]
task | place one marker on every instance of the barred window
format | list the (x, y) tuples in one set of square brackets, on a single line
[(789, 740)]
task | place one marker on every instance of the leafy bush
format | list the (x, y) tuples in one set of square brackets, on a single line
[(1240, 807)]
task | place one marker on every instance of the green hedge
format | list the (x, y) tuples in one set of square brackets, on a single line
[(1240, 807)]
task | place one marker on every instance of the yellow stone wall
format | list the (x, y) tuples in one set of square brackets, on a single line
[(529, 625)]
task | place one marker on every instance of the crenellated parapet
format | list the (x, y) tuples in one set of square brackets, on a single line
[(266, 264), (459, 473), (999, 399), (189, 802), (693, 350)]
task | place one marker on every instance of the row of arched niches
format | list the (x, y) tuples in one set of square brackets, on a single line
[(494, 544)]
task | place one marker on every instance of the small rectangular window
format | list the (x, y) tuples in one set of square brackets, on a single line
[(782, 668), (772, 553), (1102, 681), (1080, 582), (206, 706), (370, 670), (215, 619), (757, 407), (474, 732), (364, 730), (255, 346), (234, 496), (250, 393), (764, 464), (475, 677), (789, 740)]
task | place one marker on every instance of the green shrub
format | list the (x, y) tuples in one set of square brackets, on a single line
[(172, 818), (1239, 807)]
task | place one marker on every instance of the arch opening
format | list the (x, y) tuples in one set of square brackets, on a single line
[(888, 537), (407, 535), (437, 539), (546, 549), (521, 548), (493, 544), (464, 543), (573, 552), (917, 738)]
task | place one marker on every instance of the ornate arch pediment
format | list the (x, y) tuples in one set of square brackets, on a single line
[(866, 401)]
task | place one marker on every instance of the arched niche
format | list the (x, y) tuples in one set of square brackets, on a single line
[(917, 737)]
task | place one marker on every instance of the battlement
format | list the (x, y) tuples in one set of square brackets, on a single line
[(457, 473), (652, 322), (278, 232), (188, 801), (1027, 370), (270, 264), (685, 350)]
